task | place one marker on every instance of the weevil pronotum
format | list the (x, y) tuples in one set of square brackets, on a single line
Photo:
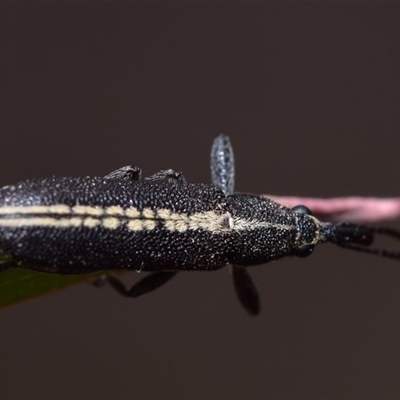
[(161, 224)]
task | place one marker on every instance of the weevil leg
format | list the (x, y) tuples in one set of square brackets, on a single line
[(131, 172), (246, 290), (170, 174), (147, 284), (223, 164)]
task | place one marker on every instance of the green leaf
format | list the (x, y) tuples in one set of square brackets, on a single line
[(18, 284)]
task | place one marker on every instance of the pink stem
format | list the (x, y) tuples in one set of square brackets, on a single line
[(352, 209)]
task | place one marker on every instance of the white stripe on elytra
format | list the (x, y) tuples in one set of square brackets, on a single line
[(132, 218), (241, 224)]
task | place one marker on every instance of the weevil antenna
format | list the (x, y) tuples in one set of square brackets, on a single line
[(355, 237), (378, 252)]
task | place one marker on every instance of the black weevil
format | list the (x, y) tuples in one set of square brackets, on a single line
[(161, 224)]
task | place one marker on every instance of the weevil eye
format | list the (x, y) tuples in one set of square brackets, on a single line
[(304, 251), (302, 209)]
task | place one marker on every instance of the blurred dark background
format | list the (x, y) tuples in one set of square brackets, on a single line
[(309, 94)]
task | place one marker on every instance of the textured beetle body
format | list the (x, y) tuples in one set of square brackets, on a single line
[(79, 225), (161, 224)]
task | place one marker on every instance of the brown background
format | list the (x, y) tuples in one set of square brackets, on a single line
[(309, 94)]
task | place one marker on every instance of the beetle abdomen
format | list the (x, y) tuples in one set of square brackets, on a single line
[(73, 225)]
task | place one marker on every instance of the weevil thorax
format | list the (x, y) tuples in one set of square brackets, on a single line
[(266, 230)]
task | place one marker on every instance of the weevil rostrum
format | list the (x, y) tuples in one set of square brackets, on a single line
[(161, 224)]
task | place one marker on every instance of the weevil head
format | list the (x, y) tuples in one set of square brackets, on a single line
[(309, 232), (342, 234)]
